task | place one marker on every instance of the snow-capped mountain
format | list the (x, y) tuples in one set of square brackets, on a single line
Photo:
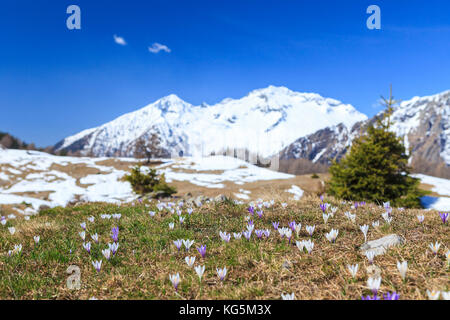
[(423, 122), (263, 122)]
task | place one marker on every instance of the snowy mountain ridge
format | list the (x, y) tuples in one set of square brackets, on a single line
[(263, 122)]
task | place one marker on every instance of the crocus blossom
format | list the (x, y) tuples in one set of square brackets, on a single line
[(444, 217), (288, 296), (188, 243), (95, 237), (364, 229), (115, 234), (107, 253), (391, 296), (353, 269), (433, 295), (310, 229), (222, 273), (309, 245), (200, 270), (402, 268), (225, 236), (247, 234), (435, 247), (190, 261), (332, 235), (113, 247), (374, 284), (421, 218), (178, 243), (36, 239), (175, 279), (87, 247), (370, 255), (97, 265), (202, 250)]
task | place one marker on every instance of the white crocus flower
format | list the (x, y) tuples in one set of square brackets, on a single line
[(353, 269), (188, 243), (237, 236), (325, 217), (300, 245), (190, 261), (364, 229), (376, 224), (402, 268), (95, 237), (175, 279), (107, 253), (374, 284), (36, 239), (310, 229), (200, 270), (12, 230), (433, 295), (288, 296), (82, 235), (298, 227), (421, 218), (435, 247), (332, 235), (309, 245), (446, 295), (171, 225), (370, 255), (222, 273)]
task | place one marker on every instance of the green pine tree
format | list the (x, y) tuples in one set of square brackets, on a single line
[(376, 168)]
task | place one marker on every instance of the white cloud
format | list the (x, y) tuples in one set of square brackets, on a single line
[(120, 40), (157, 47)]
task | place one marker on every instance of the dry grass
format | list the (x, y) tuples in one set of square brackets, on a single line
[(258, 269)]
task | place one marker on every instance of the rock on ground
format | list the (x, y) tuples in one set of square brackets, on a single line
[(380, 246)]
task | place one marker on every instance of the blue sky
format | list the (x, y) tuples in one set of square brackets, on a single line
[(55, 82)]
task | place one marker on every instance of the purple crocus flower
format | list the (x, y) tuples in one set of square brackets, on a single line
[(292, 225), (374, 297), (250, 222), (260, 213), (267, 233), (444, 217), (202, 250), (321, 198), (323, 206), (251, 209), (247, 234), (275, 225), (391, 296), (259, 233), (115, 234)]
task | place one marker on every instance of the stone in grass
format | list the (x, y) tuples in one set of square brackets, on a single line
[(220, 198), (380, 246)]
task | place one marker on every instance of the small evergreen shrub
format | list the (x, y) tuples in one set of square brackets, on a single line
[(144, 183), (315, 176), (376, 169)]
